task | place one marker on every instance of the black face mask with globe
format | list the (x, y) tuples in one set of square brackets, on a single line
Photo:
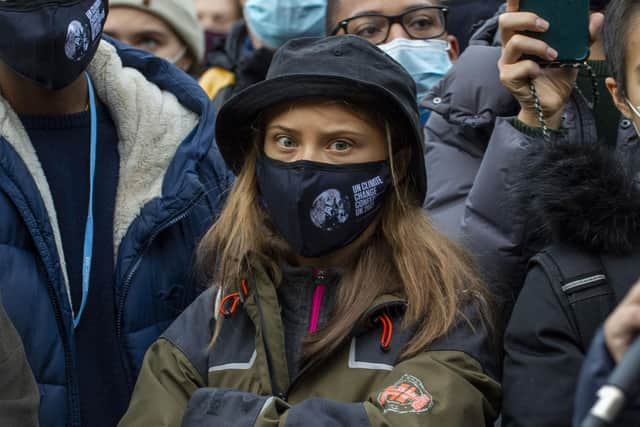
[(318, 207), (50, 42)]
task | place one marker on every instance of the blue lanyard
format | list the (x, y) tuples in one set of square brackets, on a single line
[(87, 254)]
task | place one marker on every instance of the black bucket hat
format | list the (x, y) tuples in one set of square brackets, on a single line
[(341, 67)]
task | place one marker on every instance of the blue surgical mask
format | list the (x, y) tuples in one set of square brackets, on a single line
[(427, 61), (277, 21)]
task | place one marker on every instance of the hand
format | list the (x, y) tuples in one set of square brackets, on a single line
[(553, 85), (623, 325)]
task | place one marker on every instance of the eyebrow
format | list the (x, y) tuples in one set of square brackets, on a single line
[(150, 33), (331, 132), (280, 127), (406, 9)]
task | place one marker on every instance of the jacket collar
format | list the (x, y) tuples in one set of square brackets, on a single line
[(155, 108)]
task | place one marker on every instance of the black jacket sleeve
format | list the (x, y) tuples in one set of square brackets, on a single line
[(542, 358)]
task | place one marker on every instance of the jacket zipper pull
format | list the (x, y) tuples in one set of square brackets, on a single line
[(318, 297)]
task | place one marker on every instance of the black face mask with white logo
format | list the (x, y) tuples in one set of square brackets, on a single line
[(318, 207), (50, 42)]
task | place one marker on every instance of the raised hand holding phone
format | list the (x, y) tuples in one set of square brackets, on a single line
[(517, 71)]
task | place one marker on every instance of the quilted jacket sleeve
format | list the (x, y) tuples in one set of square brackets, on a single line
[(439, 388)]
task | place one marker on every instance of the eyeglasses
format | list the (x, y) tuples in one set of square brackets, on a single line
[(426, 22)]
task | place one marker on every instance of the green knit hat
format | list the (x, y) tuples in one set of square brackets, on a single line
[(180, 15)]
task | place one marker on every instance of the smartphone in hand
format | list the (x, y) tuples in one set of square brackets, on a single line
[(568, 29)]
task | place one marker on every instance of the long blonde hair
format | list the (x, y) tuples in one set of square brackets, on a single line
[(405, 255)]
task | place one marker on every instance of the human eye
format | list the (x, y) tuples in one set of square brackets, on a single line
[(367, 27), (147, 43), (421, 22), (285, 142), (368, 31), (340, 145)]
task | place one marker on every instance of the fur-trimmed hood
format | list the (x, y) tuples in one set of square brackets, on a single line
[(583, 195)]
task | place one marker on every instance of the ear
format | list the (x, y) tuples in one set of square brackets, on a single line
[(454, 50), (618, 99)]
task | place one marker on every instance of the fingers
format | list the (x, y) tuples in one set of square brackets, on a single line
[(513, 23), (520, 45), (624, 324), (633, 296), (513, 5), (515, 75), (621, 329), (596, 22), (627, 320)]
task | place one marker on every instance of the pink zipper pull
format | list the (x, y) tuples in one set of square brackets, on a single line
[(318, 296)]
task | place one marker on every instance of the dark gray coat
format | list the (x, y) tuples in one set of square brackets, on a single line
[(473, 152), (586, 201)]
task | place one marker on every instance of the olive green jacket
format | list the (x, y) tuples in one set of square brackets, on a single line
[(243, 380)]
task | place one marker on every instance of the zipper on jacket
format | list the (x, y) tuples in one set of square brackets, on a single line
[(72, 387), (320, 279), (578, 285), (309, 367), (132, 271), (74, 410)]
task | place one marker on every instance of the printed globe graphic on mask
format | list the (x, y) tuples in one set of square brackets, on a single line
[(77, 42), (330, 210)]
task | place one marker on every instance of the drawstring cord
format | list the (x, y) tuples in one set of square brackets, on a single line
[(387, 331), (229, 305), (232, 300)]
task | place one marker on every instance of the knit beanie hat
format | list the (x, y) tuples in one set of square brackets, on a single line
[(180, 15)]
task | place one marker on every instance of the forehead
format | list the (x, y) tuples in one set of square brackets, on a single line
[(131, 20), (222, 6), (348, 8), (340, 111)]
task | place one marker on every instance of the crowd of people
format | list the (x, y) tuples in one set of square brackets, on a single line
[(315, 212)]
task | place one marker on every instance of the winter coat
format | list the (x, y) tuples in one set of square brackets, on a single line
[(473, 152), (243, 379), (236, 67), (584, 199), (465, 16), (172, 183), (19, 397), (597, 366)]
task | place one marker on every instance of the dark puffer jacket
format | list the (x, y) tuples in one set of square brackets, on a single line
[(586, 201), (596, 369), (473, 152), (172, 183), (19, 397)]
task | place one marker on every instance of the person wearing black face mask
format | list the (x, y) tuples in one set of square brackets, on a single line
[(334, 301), (108, 176)]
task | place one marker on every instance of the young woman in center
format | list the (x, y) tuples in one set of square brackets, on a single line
[(333, 299)]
